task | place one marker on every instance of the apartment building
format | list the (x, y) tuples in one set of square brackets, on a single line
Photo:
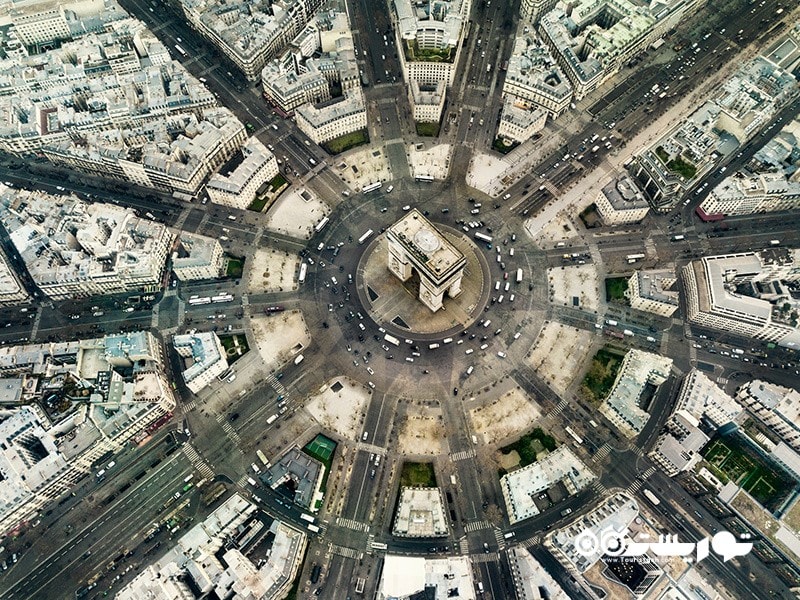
[(238, 189), (197, 257), (534, 79), (727, 293), (748, 194), (776, 406), (72, 249), (519, 123), (620, 202), (653, 291), (204, 358), (335, 118), (12, 291), (248, 33), (677, 448), (427, 101)]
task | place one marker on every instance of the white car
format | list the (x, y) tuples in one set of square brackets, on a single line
[(507, 196)]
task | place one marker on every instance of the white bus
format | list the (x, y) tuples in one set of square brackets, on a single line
[(302, 277), (181, 51), (425, 178), (203, 300), (651, 496), (321, 224), (313, 528), (262, 458), (371, 187), (366, 236), (222, 298), (634, 257), (307, 517), (573, 435), (392, 340), (483, 237)]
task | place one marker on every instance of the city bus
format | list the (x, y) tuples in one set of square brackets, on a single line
[(203, 300), (307, 517), (651, 497), (392, 340), (321, 224), (426, 178), (181, 51), (366, 236), (483, 237), (222, 298), (372, 187), (302, 277)]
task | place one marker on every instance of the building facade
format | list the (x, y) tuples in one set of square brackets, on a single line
[(238, 189), (620, 202), (651, 291)]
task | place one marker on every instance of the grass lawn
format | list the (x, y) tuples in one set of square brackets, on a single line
[(277, 182), (235, 267), (502, 147), (615, 289), (600, 378), (351, 140), (529, 445), (682, 167), (743, 465), (259, 203), (235, 346), (417, 475), (662, 155), (427, 129)]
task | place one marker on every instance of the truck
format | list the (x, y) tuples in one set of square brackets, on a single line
[(611, 322), (272, 419), (651, 497), (628, 332)]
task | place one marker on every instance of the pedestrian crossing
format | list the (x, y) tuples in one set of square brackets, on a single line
[(635, 486), (598, 487), (189, 406), (462, 455), (463, 546), (477, 525), (485, 557), (647, 474), (559, 408), (242, 481), (229, 430), (344, 551), (498, 535), (532, 541), (602, 452), (352, 524), (198, 462), (276, 385)]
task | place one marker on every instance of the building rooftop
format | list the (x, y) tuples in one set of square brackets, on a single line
[(704, 399), (560, 466), (614, 514), (256, 158), (415, 578), (446, 17), (623, 194), (531, 580), (655, 284), (304, 472), (531, 66), (639, 371), (420, 238), (420, 513), (206, 350)]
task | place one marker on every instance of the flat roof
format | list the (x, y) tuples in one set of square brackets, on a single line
[(427, 245)]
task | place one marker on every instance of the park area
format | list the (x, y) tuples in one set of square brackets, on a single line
[(730, 459), (616, 288), (416, 474), (601, 375), (529, 446)]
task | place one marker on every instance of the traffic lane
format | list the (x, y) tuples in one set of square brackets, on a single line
[(115, 524)]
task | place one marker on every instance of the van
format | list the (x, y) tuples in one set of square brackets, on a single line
[(389, 189), (231, 218), (299, 359), (364, 436), (407, 208), (312, 161), (470, 369), (480, 587), (508, 536)]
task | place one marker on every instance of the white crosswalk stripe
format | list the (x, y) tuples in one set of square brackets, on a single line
[(559, 408), (352, 524), (242, 481), (602, 452), (635, 486), (229, 430), (647, 474), (498, 535), (462, 455), (463, 546), (344, 551), (599, 487), (189, 406), (532, 541), (477, 525), (197, 461)]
